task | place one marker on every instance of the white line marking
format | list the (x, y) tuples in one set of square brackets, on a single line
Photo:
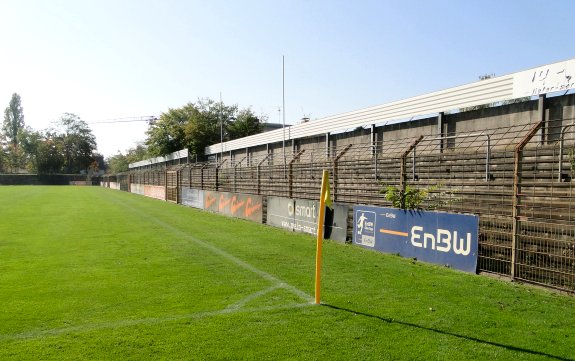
[(233, 308), (142, 321), (221, 252), (253, 296)]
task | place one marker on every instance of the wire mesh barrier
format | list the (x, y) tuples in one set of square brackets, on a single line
[(517, 178)]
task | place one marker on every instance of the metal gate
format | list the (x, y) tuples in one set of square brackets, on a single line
[(172, 186)]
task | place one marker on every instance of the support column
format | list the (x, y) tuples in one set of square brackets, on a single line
[(373, 140), (441, 130), (544, 130)]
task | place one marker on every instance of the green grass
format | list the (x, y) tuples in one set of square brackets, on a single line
[(91, 273)]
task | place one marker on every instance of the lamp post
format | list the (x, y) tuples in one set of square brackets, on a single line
[(284, 115), (221, 130)]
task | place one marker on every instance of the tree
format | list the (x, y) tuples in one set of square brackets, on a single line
[(77, 142), (30, 142), (120, 163), (138, 153), (15, 158), (3, 146), (209, 125), (117, 163), (50, 154), (246, 124), (198, 125), (13, 120), (98, 164), (167, 134)]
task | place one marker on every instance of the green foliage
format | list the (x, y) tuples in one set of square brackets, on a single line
[(15, 158), (117, 163), (165, 282), (166, 135), (198, 125), (13, 120), (77, 142), (50, 155), (208, 125), (246, 123), (413, 198), (68, 147), (120, 162)]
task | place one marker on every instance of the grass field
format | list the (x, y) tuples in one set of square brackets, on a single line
[(92, 273)]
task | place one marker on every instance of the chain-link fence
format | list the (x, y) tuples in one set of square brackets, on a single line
[(518, 179)]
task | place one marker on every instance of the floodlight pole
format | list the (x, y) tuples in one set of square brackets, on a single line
[(284, 113), (221, 131)]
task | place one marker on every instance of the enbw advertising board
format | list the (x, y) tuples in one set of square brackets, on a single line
[(435, 237)]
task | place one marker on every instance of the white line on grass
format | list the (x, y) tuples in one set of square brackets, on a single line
[(233, 259), (142, 321), (237, 307), (253, 296)]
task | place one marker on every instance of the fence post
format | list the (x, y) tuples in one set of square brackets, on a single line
[(518, 158), (165, 173), (335, 176), (218, 174), (203, 185), (290, 172), (403, 175), (258, 174), (235, 172)]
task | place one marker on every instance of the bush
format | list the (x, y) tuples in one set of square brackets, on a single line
[(414, 198)]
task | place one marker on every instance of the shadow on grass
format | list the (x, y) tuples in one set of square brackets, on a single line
[(508, 347)]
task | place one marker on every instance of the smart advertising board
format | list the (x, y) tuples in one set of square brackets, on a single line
[(435, 237), (300, 215)]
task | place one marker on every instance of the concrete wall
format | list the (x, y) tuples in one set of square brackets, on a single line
[(559, 111), (42, 179)]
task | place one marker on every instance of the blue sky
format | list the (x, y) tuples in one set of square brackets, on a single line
[(114, 59)]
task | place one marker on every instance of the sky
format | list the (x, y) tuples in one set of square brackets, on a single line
[(124, 59)]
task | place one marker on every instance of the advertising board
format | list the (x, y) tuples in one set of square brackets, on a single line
[(245, 206), (137, 188), (557, 77), (435, 237), (192, 197), (301, 216), (211, 199), (158, 192), (114, 185)]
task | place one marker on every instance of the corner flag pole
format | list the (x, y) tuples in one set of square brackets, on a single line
[(320, 221)]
